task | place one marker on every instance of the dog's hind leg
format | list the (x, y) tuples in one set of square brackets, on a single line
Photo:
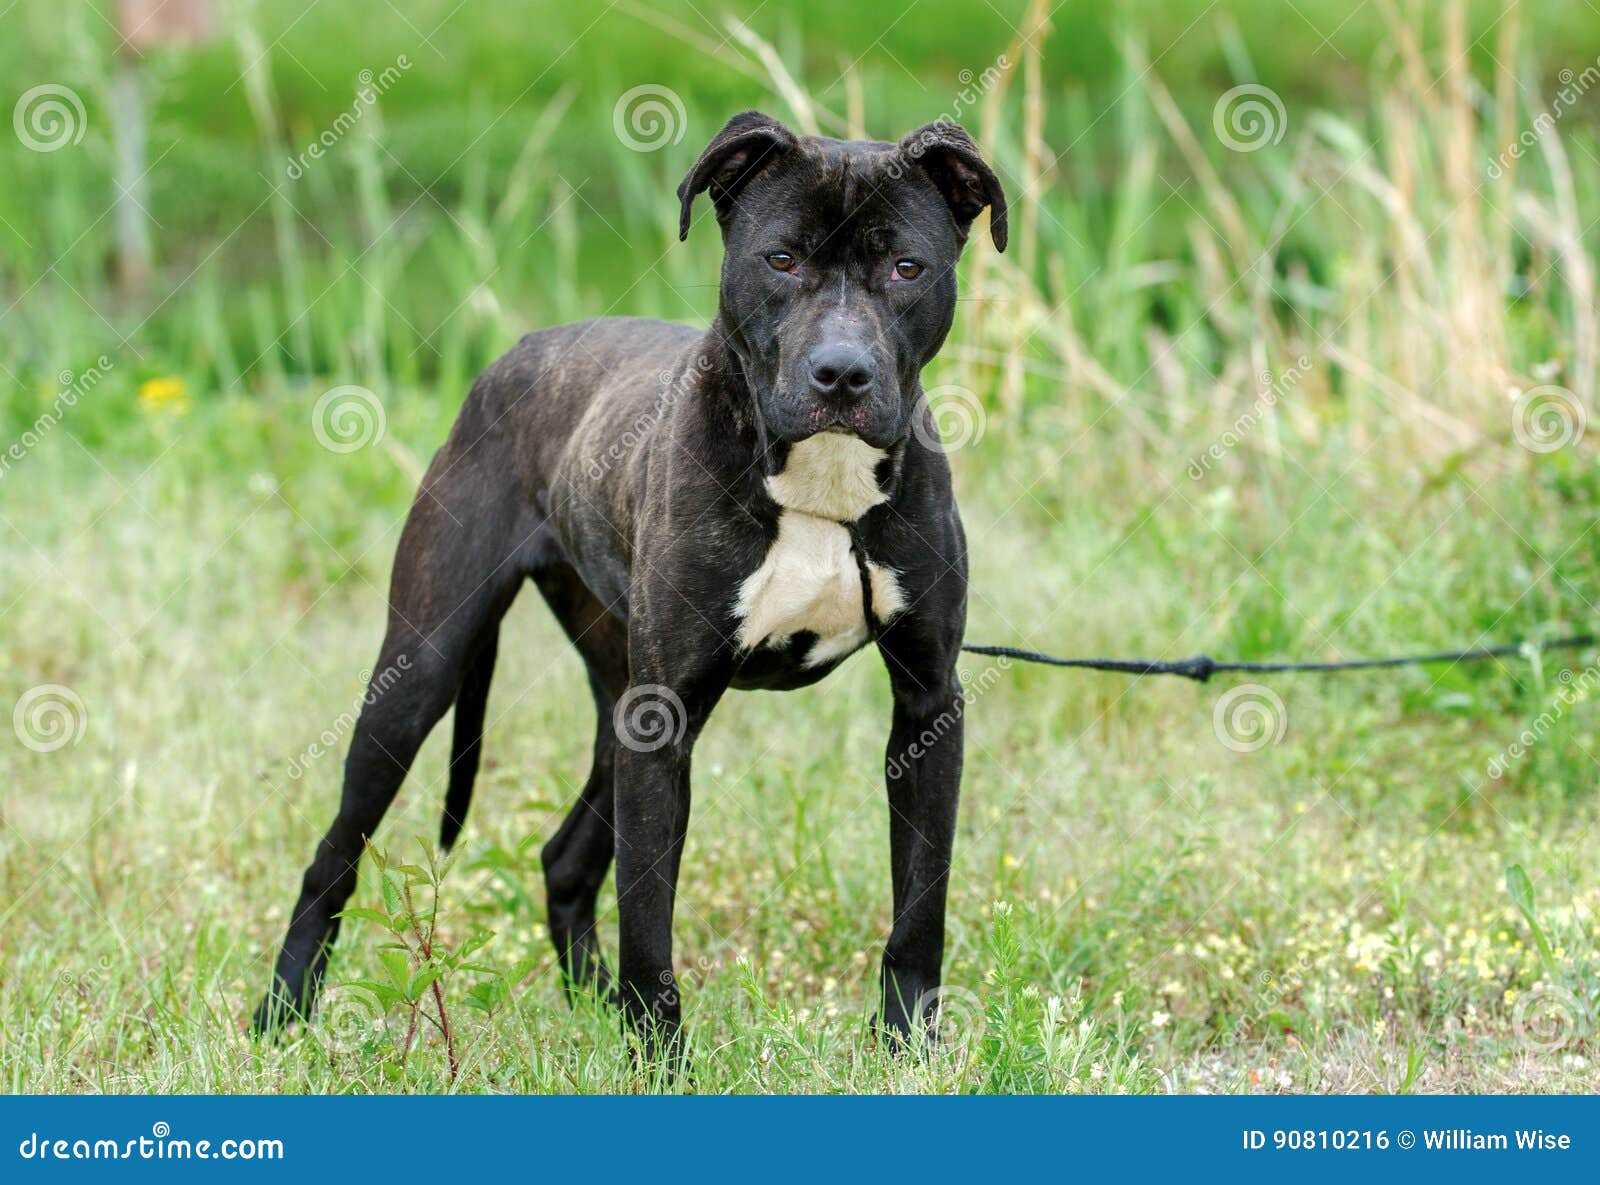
[(451, 586), (467, 745), (578, 855)]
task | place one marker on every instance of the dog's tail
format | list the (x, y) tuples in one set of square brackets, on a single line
[(471, 702)]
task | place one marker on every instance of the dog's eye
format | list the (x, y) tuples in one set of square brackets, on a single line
[(908, 269), (781, 261)]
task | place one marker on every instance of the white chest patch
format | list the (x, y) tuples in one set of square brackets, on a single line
[(830, 475), (808, 581)]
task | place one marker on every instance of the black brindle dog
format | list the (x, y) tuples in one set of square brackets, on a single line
[(740, 507)]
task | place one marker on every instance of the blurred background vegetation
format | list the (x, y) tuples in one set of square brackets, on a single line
[(489, 193)]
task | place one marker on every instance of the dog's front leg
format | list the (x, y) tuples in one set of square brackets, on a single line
[(923, 768), (656, 724)]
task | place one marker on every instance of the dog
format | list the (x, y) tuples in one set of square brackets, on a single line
[(739, 507)]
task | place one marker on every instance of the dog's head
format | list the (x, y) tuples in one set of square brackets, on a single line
[(838, 274)]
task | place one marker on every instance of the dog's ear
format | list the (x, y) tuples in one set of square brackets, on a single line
[(952, 161), (747, 143)]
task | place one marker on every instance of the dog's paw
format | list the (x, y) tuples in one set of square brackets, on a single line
[(273, 1015)]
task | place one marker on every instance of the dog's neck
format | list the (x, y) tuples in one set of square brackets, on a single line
[(727, 383), (831, 475)]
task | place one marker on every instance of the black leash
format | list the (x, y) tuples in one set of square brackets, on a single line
[(1201, 668)]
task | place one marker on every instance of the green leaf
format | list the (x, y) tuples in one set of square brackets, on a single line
[(391, 891), (383, 993), (398, 966), (1521, 890), (421, 982), (370, 915), (487, 996), (475, 941)]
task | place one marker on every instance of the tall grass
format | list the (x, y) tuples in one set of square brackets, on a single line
[(1153, 266)]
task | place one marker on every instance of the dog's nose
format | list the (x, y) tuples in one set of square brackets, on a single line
[(842, 370)]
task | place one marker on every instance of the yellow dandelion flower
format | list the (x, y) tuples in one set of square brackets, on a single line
[(168, 393)]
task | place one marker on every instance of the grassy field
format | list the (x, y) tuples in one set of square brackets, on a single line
[(1316, 385)]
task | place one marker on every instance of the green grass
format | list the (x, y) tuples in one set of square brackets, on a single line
[(1136, 905)]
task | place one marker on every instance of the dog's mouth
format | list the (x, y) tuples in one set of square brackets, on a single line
[(858, 421)]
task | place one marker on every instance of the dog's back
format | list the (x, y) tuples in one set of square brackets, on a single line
[(587, 381)]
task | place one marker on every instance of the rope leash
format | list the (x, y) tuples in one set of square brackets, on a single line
[(1202, 667)]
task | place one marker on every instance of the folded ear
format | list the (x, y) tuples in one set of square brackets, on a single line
[(746, 144), (951, 159)]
